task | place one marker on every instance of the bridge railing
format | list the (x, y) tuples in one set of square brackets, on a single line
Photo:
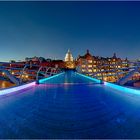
[(46, 72), (23, 73)]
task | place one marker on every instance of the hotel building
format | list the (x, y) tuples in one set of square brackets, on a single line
[(108, 69)]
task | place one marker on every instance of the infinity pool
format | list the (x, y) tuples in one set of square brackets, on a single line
[(70, 106)]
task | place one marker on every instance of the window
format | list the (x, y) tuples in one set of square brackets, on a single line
[(89, 70), (89, 61), (90, 66), (83, 70), (83, 66)]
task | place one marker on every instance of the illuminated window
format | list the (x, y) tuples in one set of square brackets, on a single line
[(3, 73), (89, 70), (94, 70), (83, 70), (89, 61), (13, 72), (83, 66), (105, 78), (90, 66)]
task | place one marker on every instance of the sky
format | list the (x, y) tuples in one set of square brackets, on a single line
[(49, 29)]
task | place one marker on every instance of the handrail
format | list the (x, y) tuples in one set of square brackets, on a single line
[(23, 72), (38, 73), (46, 72)]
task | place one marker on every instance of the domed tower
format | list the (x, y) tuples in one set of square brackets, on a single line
[(69, 61), (68, 57)]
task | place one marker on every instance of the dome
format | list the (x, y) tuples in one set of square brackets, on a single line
[(68, 57)]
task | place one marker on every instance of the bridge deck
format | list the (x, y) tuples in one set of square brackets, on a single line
[(82, 110)]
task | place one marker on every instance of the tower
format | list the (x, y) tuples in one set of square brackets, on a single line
[(69, 62), (68, 57)]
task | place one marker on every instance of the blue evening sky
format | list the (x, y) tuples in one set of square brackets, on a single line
[(49, 29)]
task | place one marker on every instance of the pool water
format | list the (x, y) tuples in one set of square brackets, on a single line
[(83, 110)]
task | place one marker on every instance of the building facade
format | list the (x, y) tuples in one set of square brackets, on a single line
[(107, 69)]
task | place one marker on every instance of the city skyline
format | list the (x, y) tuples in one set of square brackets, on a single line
[(49, 29)]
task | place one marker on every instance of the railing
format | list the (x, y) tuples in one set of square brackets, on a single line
[(49, 71), (23, 73)]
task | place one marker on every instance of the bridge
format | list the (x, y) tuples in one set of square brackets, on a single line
[(21, 71), (69, 105)]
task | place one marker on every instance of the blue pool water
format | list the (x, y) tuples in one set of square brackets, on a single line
[(86, 109)]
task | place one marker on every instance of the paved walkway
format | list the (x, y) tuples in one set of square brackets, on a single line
[(70, 111)]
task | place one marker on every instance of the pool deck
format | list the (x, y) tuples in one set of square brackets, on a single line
[(70, 111)]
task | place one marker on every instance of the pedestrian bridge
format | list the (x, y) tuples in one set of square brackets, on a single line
[(70, 105), (22, 70)]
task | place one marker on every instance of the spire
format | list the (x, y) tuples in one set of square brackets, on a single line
[(87, 51), (114, 56)]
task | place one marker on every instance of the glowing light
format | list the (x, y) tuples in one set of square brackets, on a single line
[(15, 89), (18, 88), (89, 61), (26, 76), (13, 72), (90, 66), (48, 78), (83, 66), (123, 89), (3, 73), (93, 79), (89, 70), (117, 87)]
